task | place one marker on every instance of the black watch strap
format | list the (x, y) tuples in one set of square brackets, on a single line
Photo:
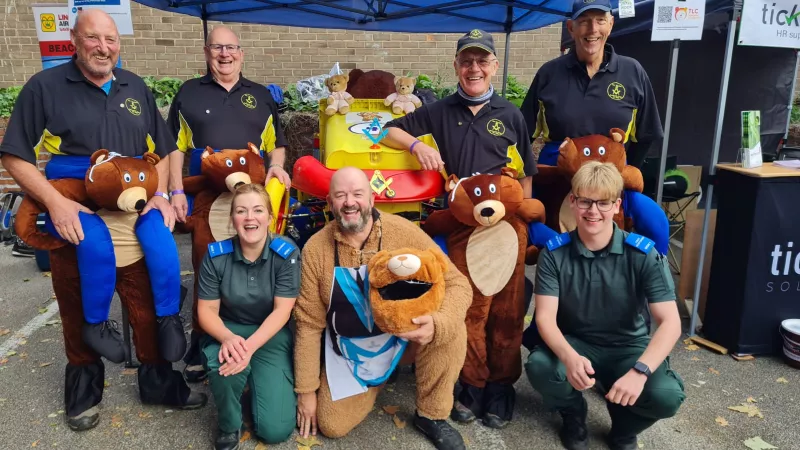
[(642, 368)]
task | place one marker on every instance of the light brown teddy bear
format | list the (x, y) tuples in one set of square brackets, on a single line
[(404, 284), (339, 100), (403, 101)]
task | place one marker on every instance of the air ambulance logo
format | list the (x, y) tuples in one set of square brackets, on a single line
[(48, 22)]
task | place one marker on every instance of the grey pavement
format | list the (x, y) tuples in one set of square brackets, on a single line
[(31, 395)]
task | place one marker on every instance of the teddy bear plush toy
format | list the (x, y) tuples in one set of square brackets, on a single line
[(403, 101), (339, 100), (638, 211), (117, 189), (404, 284), (486, 229)]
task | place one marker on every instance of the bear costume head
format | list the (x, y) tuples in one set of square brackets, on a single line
[(119, 183), (485, 199), (226, 169), (370, 84), (574, 153), (405, 284)]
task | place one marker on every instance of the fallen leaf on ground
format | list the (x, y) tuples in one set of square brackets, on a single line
[(398, 422), (701, 382), (106, 383), (303, 447), (42, 310), (692, 347), (116, 421), (756, 443), (23, 342), (751, 400), (127, 433), (713, 370), (25, 280), (245, 436), (45, 340), (390, 409), (3, 361), (128, 372), (23, 355), (51, 415), (47, 274), (528, 319), (52, 322), (394, 438), (145, 415), (186, 272), (4, 331), (3, 399), (11, 353), (36, 442), (687, 341), (307, 442), (261, 446), (641, 445), (389, 389), (782, 380), (750, 410), (722, 422), (695, 358)]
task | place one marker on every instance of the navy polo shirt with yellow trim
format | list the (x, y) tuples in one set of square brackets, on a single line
[(60, 111), (470, 143), (564, 102), (205, 114)]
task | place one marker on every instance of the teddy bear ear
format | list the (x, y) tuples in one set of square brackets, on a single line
[(99, 156), (617, 135), (413, 81), (207, 152), (253, 148), (451, 183), (396, 79), (346, 78), (151, 158), (509, 172)]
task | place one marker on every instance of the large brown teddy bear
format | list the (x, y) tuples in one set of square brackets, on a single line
[(339, 100), (117, 189), (370, 84), (404, 284), (487, 239), (220, 173)]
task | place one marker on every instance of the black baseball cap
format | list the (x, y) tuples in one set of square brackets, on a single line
[(476, 39), (581, 6)]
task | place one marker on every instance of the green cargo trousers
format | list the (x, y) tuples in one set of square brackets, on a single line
[(271, 383), (661, 397)]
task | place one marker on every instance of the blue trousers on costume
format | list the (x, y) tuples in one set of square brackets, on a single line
[(96, 260)]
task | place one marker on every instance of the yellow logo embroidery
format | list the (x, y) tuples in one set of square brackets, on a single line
[(475, 34), (495, 127), (133, 107), (616, 91), (48, 22), (249, 101)]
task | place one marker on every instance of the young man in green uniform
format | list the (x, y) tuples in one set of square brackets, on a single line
[(591, 288)]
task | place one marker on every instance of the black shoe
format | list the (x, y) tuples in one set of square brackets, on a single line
[(622, 443), (105, 339), (461, 413), (85, 421), (492, 421), (196, 400), (20, 248), (440, 433), (171, 338), (574, 434), (227, 441), (194, 374)]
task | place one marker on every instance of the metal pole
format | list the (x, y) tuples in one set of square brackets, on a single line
[(673, 71), (505, 62), (791, 98), (723, 95)]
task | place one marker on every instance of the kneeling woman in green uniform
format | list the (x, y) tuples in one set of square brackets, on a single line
[(247, 289)]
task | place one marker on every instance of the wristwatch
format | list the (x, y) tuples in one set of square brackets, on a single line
[(642, 368), (163, 195)]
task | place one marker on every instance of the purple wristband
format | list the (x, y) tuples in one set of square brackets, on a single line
[(411, 149), (176, 192)]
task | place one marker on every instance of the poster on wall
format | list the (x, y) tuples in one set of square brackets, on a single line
[(773, 23), (52, 29), (119, 10), (678, 19)]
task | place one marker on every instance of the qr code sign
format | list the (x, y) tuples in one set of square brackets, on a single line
[(664, 14)]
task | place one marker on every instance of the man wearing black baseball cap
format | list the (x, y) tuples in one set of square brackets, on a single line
[(476, 131), (591, 90)]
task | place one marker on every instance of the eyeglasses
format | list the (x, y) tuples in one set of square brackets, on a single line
[(482, 62), (94, 39), (216, 48), (602, 205)]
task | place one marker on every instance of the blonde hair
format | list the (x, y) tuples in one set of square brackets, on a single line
[(601, 178), (249, 189)]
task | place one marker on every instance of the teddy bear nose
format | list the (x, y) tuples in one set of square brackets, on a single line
[(402, 258), (140, 204), (487, 212)]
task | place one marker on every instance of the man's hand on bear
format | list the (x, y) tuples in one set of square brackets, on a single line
[(161, 204), (428, 157), (280, 174), (422, 335), (64, 215), (181, 207)]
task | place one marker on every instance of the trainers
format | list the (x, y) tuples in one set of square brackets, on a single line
[(574, 434), (85, 420), (20, 248), (227, 441), (461, 413), (105, 339), (171, 338), (194, 373), (440, 433)]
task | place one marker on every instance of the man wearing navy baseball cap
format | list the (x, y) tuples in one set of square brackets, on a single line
[(591, 90)]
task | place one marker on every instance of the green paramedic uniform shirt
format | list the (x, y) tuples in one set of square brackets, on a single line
[(247, 289), (601, 295)]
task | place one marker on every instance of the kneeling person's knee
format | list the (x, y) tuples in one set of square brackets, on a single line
[(275, 432), (664, 403), (541, 367)]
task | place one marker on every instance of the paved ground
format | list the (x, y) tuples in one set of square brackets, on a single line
[(31, 396)]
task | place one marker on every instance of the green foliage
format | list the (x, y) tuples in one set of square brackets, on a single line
[(435, 84), (795, 116), (515, 92), (8, 96), (294, 103), (164, 90)]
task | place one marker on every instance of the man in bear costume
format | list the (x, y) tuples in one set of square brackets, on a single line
[(90, 87), (334, 308), (486, 226)]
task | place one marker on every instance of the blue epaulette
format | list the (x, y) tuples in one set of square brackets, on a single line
[(220, 248), (640, 242), (282, 247), (558, 241)]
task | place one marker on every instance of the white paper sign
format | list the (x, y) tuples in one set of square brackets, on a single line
[(119, 10), (773, 23), (626, 9), (677, 19), (52, 29)]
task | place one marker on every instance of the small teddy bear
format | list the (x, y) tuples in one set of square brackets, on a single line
[(339, 100), (403, 101)]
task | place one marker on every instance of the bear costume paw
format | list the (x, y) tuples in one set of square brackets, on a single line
[(105, 339), (171, 338)]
